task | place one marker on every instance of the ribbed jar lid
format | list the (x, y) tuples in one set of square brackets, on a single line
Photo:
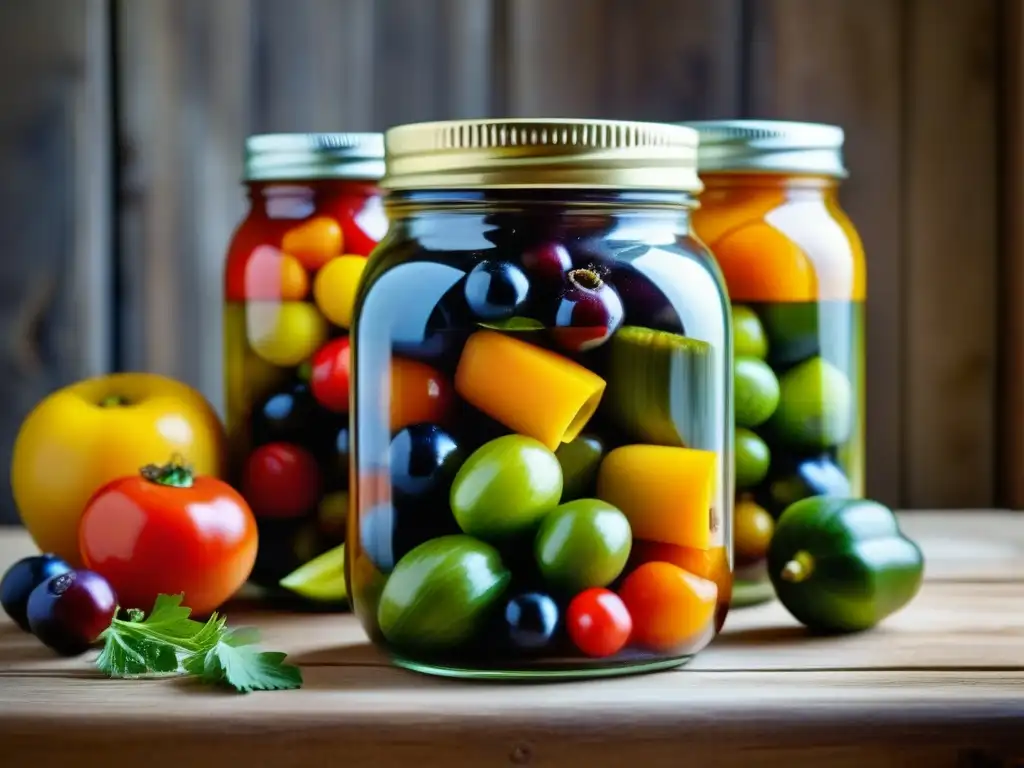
[(297, 156), (542, 153), (775, 146)]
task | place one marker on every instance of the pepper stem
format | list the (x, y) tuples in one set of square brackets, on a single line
[(175, 473), (113, 401), (799, 568)]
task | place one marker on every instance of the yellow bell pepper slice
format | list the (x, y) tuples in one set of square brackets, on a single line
[(665, 492), (530, 390)]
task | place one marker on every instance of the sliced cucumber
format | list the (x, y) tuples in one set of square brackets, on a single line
[(321, 579), (661, 387)]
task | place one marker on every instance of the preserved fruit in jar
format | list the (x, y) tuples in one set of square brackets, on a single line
[(542, 425), (793, 264), (292, 270)]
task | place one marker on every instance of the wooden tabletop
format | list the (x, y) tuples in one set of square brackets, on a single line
[(939, 684)]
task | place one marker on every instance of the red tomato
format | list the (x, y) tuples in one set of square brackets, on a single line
[(168, 532), (329, 380), (362, 220), (598, 622), (281, 480)]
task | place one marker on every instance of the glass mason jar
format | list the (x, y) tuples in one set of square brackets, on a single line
[(291, 273), (794, 267), (541, 409)]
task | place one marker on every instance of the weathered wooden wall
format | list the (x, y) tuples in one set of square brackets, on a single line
[(122, 123)]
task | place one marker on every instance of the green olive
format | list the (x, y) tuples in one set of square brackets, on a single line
[(748, 336), (815, 406), (505, 487), (439, 594), (582, 544), (756, 391), (580, 460), (753, 458)]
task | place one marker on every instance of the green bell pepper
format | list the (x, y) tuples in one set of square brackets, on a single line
[(842, 565)]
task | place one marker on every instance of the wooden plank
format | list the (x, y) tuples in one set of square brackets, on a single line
[(432, 60), (55, 205), (666, 60), (184, 69), (1011, 340), (386, 717), (840, 63), (951, 253), (198, 77), (311, 66), (948, 626)]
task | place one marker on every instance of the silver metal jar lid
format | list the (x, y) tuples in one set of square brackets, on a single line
[(298, 156), (769, 146)]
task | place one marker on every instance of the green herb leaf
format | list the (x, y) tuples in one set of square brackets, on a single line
[(157, 644), (235, 661), (513, 324), (169, 642)]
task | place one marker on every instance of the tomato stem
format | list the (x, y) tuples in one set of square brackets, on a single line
[(175, 473)]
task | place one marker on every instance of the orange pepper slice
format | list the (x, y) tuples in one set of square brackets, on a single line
[(532, 391), (664, 491)]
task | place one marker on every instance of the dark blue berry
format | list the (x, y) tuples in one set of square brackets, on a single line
[(24, 576), (531, 622), (496, 290)]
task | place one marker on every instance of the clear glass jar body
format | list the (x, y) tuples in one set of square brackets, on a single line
[(541, 436), (794, 267), (290, 279)]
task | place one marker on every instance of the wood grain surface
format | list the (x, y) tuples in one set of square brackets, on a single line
[(841, 63), (951, 250), (56, 268), (938, 684), (122, 123), (1011, 276)]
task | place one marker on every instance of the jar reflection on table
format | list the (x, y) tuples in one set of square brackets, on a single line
[(794, 267), (292, 269), (542, 431)]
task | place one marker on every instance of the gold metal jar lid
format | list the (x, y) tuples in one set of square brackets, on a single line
[(298, 156), (541, 153), (769, 146)]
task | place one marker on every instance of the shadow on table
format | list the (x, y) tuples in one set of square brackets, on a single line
[(762, 636)]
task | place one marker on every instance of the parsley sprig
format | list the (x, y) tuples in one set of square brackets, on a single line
[(170, 642)]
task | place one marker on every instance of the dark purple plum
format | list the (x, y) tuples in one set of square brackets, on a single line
[(423, 459), (646, 305), (21, 578), (70, 611), (495, 290), (588, 312), (548, 262)]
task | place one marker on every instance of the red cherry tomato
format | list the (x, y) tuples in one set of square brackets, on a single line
[(598, 622), (329, 381), (166, 531), (363, 221), (281, 480)]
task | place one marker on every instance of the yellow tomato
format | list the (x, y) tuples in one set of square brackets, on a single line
[(83, 436), (335, 288), (285, 333)]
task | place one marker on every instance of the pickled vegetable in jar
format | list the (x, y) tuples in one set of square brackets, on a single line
[(794, 267), (542, 428), (292, 270)]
